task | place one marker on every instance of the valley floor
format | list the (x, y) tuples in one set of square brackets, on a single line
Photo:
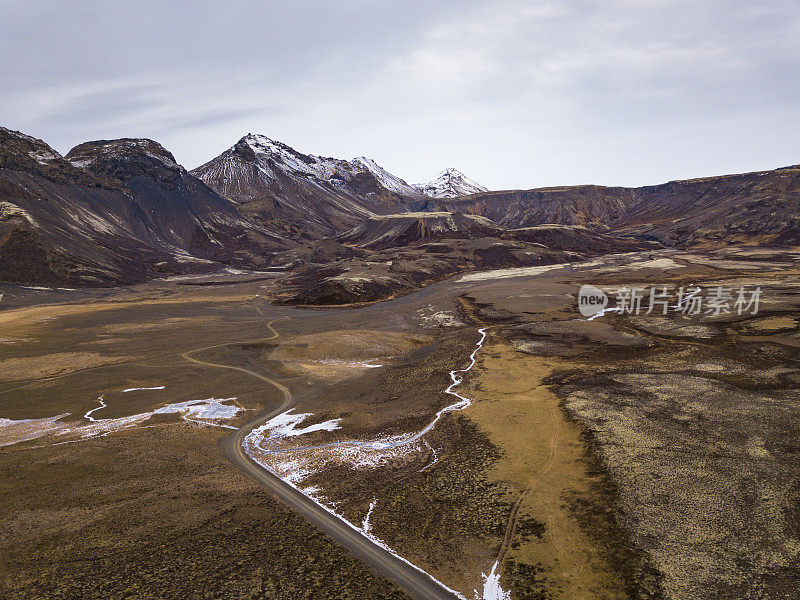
[(631, 456)]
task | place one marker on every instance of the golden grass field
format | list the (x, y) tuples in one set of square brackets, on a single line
[(543, 457)]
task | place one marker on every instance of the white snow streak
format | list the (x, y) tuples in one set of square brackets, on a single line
[(14, 431), (285, 425), (293, 464), (433, 461), (203, 412), (601, 312), (88, 414), (365, 525), (135, 389)]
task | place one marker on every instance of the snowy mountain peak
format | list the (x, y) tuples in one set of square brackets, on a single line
[(261, 144), (274, 159), (450, 183)]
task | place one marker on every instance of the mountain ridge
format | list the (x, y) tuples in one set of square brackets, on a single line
[(702, 211), (120, 211), (302, 196)]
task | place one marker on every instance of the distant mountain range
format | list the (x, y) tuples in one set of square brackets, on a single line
[(760, 208), (120, 211), (304, 196)]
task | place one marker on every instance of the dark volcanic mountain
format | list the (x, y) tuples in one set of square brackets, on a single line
[(302, 196), (761, 207), (173, 206), (117, 211)]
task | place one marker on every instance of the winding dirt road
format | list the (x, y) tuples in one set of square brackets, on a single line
[(414, 581)]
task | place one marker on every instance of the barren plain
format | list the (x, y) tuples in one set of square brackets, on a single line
[(627, 456)]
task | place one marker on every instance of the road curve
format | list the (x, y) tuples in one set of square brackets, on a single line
[(414, 581)]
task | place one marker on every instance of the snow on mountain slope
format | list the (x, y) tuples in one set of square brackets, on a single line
[(390, 182), (276, 157), (450, 183), (302, 195), (289, 160)]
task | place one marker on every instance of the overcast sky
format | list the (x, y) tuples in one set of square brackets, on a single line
[(516, 94)]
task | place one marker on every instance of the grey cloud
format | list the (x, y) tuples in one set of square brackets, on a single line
[(514, 93)]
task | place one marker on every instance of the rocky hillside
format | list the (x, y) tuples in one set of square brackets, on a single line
[(112, 211), (302, 196), (406, 230), (755, 208), (576, 238), (761, 208), (579, 205), (391, 231)]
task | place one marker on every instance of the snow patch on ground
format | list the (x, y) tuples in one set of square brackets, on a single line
[(211, 409), (271, 447), (14, 431), (366, 527), (491, 587), (286, 425), (202, 412)]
